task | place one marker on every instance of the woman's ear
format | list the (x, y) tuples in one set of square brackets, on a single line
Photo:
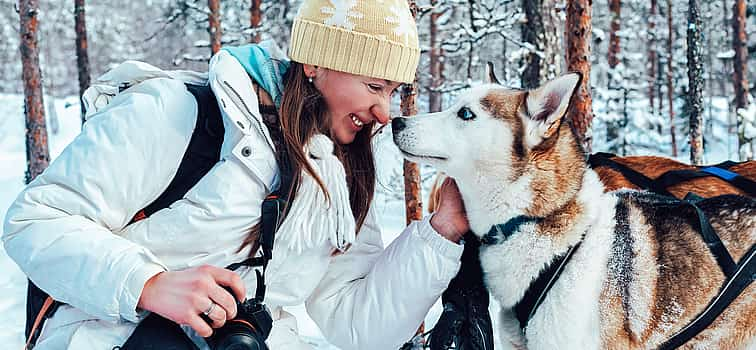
[(309, 70)]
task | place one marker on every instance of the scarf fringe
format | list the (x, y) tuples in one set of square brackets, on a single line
[(312, 218)]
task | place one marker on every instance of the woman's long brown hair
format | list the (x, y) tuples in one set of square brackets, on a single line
[(302, 114)]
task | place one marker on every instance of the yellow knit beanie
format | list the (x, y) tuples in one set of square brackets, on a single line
[(375, 38)]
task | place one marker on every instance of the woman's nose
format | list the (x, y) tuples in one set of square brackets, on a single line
[(380, 111)]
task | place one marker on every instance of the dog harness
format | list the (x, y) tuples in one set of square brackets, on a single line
[(674, 177), (539, 287), (738, 276)]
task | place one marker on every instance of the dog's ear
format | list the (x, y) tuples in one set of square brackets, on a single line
[(547, 105), (490, 74)]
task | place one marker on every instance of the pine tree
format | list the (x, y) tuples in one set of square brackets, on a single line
[(37, 154), (670, 72), (740, 79), (214, 27), (436, 66), (82, 55), (652, 62), (532, 31), (614, 126), (255, 19), (695, 83), (412, 197), (578, 43), (551, 43)]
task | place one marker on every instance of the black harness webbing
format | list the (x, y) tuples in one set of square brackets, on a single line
[(539, 287), (744, 275), (637, 178), (737, 276), (721, 171), (709, 236), (674, 177)]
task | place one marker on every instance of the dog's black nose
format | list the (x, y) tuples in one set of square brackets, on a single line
[(397, 124)]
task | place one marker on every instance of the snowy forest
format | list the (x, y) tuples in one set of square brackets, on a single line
[(653, 65), (662, 77)]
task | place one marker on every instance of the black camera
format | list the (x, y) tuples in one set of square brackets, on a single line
[(247, 331)]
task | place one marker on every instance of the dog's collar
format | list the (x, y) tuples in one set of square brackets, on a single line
[(501, 232)]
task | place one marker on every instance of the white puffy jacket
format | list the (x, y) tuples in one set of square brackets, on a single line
[(68, 230)]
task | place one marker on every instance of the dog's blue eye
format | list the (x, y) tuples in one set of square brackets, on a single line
[(465, 114)]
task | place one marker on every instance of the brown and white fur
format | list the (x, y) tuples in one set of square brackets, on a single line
[(642, 271)]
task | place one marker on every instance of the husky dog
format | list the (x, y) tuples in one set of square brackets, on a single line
[(642, 270)]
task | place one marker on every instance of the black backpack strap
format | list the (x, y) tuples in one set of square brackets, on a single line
[(743, 276), (605, 159), (202, 153)]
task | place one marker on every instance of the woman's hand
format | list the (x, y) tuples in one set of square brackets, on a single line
[(182, 296), (450, 219)]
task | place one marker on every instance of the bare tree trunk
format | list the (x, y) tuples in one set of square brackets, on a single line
[(740, 79), (37, 154), (613, 132), (551, 43), (474, 27), (695, 76), (532, 33), (435, 101), (255, 19), (578, 43), (652, 56), (412, 198), (540, 30), (615, 7), (670, 86), (82, 57), (214, 27)]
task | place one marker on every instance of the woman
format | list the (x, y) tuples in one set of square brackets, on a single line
[(72, 231)]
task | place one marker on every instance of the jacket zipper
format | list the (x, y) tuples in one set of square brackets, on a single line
[(239, 101)]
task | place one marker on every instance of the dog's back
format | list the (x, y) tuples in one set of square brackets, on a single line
[(662, 274), (653, 167)]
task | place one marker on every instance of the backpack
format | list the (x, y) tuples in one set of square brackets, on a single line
[(202, 153)]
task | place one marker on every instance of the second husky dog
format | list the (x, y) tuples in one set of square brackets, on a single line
[(642, 270)]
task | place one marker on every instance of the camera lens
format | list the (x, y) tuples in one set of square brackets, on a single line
[(240, 342)]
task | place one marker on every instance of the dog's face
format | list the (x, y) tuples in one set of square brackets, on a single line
[(489, 130)]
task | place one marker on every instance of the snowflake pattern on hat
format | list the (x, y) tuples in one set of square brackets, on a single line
[(341, 12), (405, 25)]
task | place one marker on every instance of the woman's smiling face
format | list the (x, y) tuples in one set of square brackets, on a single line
[(353, 101)]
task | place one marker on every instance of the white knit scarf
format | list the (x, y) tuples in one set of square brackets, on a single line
[(312, 218)]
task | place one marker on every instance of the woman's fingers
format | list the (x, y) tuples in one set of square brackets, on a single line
[(185, 296), (227, 278), (199, 325), (224, 300), (216, 313)]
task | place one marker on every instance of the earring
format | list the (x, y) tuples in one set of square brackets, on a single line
[(309, 79)]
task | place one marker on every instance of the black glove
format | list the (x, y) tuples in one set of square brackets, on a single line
[(465, 321)]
